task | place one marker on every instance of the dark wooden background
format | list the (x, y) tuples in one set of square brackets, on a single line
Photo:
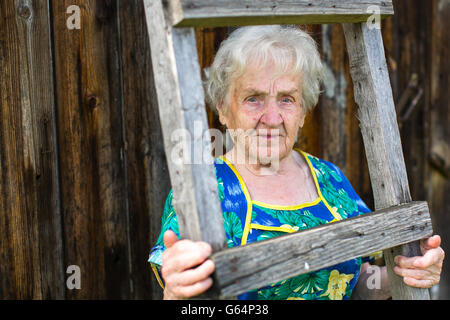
[(83, 176)]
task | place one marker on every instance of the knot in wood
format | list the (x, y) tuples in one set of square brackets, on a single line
[(93, 102), (24, 11), (104, 11)]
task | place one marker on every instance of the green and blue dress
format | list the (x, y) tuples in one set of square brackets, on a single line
[(247, 221)]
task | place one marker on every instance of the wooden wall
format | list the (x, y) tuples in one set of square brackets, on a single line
[(83, 176)]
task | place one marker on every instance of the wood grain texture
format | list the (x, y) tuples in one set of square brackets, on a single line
[(412, 55), (438, 133), (188, 13), (33, 264), (208, 41), (148, 182), (381, 136), (30, 222), (182, 112), (93, 193), (256, 265), (439, 130)]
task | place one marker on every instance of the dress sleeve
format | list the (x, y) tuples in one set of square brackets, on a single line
[(362, 208), (169, 222)]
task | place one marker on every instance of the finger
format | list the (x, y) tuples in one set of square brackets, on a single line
[(414, 273), (191, 276), (185, 255), (418, 283), (430, 243), (405, 262), (170, 238), (193, 290), (431, 257), (192, 256)]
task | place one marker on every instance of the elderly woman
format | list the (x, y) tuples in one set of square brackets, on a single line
[(263, 82)]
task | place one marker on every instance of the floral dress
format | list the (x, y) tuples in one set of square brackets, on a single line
[(247, 221)]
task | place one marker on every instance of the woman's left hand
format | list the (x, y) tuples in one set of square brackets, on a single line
[(422, 271)]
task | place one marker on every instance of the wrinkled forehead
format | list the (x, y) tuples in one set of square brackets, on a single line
[(261, 75)]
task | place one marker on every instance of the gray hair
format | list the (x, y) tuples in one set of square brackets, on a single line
[(281, 45)]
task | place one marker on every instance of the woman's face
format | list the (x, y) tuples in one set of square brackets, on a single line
[(267, 108)]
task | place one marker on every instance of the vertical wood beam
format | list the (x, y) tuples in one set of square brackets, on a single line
[(93, 187), (183, 116), (148, 182), (381, 136), (30, 223)]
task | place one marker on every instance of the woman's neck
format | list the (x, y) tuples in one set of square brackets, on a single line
[(291, 184)]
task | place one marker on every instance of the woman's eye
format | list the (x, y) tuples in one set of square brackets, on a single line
[(287, 100), (252, 99)]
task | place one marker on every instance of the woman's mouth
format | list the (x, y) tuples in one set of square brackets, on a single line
[(269, 136)]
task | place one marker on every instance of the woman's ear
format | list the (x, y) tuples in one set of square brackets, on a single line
[(302, 119), (302, 114), (221, 111)]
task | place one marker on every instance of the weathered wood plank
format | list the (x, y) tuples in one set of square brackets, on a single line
[(190, 13), (253, 266), (381, 136), (148, 182), (182, 111), (93, 189), (30, 222)]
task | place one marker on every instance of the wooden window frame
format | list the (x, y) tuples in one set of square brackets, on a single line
[(395, 226)]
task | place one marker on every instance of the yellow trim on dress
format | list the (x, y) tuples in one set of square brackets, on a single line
[(336, 215), (250, 202), (269, 228), (277, 207), (248, 217), (157, 275)]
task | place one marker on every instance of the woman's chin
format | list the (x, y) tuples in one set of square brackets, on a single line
[(267, 155)]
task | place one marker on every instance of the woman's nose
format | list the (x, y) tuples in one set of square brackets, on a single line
[(271, 116)]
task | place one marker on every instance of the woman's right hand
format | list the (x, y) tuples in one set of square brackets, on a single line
[(186, 269)]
